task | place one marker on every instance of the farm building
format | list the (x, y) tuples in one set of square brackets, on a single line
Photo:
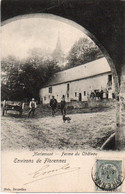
[(79, 83)]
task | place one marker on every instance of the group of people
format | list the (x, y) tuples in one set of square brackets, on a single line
[(33, 106), (53, 105)]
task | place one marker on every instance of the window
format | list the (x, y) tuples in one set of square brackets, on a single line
[(67, 87), (75, 94), (44, 97), (67, 95), (109, 78), (84, 93), (50, 89)]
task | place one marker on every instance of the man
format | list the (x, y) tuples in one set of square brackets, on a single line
[(32, 106), (63, 105), (4, 106), (21, 107), (53, 104)]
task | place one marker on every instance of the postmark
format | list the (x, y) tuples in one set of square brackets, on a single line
[(107, 174)]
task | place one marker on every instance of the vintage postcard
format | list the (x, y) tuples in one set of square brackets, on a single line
[(62, 96)]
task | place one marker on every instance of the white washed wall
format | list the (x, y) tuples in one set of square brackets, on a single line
[(81, 86), (57, 91)]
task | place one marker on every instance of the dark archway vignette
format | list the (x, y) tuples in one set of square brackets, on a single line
[(103, 19), (91, 36)]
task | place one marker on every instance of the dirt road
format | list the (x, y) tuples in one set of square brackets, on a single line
[(88, 130)]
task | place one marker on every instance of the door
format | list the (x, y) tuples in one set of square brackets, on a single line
[(80, 97)]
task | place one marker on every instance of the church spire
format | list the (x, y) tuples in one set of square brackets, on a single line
[(58, 54), (58, 44)]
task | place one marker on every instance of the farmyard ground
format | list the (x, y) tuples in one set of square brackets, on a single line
[(85, 131)]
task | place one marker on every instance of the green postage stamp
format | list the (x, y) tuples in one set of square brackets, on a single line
[(107, 174)]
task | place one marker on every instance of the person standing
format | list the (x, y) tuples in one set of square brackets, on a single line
[(4, 107), (32, 106), (63, 105), (53, 104)]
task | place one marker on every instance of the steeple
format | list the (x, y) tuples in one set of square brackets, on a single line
[(58, 54), (58, 44)]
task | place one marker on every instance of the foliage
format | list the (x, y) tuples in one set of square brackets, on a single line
[(84, 50), (23, 79)]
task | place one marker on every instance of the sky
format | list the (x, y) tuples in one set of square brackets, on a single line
[(24, 34)]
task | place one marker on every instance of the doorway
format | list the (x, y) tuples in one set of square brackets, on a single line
[(80, 97)]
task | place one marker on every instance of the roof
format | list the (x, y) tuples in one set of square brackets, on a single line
[(87, 70)]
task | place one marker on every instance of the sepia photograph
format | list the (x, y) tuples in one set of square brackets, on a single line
[(62, 95), (57, 87)]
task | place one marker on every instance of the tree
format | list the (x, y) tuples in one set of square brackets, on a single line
[(84, 50), (9, 76), (24, 78), (8, 63), (34, 76)]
